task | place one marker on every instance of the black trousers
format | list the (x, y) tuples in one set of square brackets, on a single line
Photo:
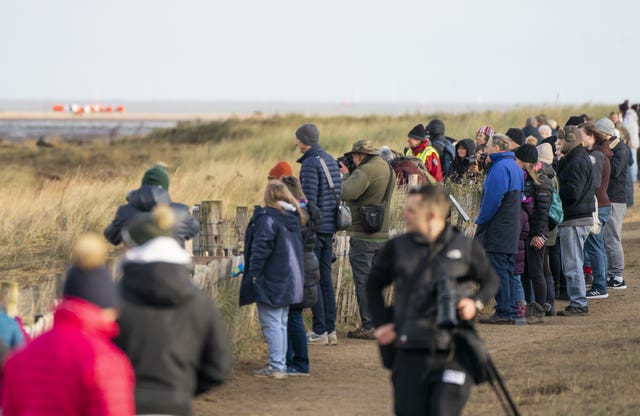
[(533, 277), (426, 384)]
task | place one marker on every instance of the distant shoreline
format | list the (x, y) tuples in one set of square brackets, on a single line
[(131, 116)]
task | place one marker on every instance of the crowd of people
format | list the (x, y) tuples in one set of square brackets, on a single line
[(549, 227)]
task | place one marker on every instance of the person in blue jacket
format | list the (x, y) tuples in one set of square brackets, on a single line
[(499, 223), (274, 272)]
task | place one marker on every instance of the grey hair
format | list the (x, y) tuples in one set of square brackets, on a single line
[(502, 142)]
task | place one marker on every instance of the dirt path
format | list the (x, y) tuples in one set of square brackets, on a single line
[(569, 366)]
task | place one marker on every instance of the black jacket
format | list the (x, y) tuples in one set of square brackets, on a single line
[(311, 265), (542, 196), (143, 200), (460, 165), (577, 189), (171, 331), (453, 255), (618, 180)]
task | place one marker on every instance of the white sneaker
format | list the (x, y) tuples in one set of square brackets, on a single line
[(333, 338), (322, 339)]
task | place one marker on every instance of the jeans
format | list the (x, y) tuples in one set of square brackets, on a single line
[(297, 353), (633, 169), (274, 328), (612, 241), (519, 290), (504, 265), (324, 311), (572, 241), (594, 248), (361, 256)]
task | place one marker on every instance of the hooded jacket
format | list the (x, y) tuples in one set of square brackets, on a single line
[(171, 331), (273, 258), (315, 185), (619, 171), (499, 217), (526, 212), (460, 165), (144, 199), (310, 261), (577, 190), (541, 195), (442, 143), (72, 370), (10, 332)]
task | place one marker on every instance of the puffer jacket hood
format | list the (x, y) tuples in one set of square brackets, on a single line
[(468, 144), (148, 196), (435, 128), (157, 273)]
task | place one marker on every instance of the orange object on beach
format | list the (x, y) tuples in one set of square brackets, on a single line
[(59, 108), (120, 108)]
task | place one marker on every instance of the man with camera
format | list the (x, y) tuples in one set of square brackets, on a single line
[(432, 268), (367, 190)]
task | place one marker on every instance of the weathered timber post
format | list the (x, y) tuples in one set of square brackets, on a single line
[(195, 242), (412, 181), (242, 219), (210, 220)]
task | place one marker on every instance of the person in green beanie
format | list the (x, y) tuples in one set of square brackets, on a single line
[(153, 191)]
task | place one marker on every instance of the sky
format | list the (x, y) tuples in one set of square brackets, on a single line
[(458, 51)]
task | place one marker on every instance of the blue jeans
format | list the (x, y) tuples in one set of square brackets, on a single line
[(274, 328), (594, 248), (297, 353), (324, 311), (572, 241), (518, 289), (504, 264)]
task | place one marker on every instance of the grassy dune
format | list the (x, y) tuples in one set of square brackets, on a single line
[(52, 194)]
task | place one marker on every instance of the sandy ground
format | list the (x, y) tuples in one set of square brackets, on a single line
[(568, 366)]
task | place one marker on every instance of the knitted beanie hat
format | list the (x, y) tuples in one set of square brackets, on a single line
[(516, 135), (89, 278), (487, 130), (418, 132), (279, 170), (606, 126), (156, 176), (308, 134), (527, 153), (545, 153)]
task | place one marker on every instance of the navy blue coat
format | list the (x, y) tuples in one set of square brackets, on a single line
[(577, 189), (143, 200), (499, 217), (316, 187), (274, 272)]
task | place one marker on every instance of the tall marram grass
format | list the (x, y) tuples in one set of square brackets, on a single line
[(50, 195)]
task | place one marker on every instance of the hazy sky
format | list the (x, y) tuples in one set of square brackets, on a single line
[(296, 50)]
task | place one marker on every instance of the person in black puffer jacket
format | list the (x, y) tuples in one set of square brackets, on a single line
[(297, 352), (171, 331), (538, 187), (464, 166), (154, 191)]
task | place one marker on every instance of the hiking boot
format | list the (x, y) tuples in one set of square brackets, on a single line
[(333, 338), (574, 311), (362, 333), (596, 294), (616, 284), (322, 339), (536, 314), (497, 320), (270, 372), (549, 310)]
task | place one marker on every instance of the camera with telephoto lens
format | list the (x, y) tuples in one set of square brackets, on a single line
[(447, 303), (472, 159), (347, 160)]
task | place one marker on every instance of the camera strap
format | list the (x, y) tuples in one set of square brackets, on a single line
[(327, 174)]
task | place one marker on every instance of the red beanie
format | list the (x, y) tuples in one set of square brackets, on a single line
[(279, 170)]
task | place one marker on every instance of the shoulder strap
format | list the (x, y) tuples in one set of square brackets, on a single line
[(327, 174)]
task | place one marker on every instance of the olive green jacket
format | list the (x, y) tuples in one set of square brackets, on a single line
[(366, 185)]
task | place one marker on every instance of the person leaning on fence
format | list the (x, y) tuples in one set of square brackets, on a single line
[(75, 369), (499, 223), (153, 191), (315, 187), (418, 145), (370, 184), (430, 375), (297, 352), (171, 330), (274, 275)]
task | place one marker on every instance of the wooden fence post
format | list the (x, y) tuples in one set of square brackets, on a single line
[(412, 181), (210, 220), (195, 244)]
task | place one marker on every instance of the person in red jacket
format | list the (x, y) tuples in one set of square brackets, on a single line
[(418, 146), (75, 369)]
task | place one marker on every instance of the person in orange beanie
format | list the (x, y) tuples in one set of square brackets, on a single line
[(281, 169)]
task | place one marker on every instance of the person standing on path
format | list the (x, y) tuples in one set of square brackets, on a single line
[(370, 184), (316, 189)]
